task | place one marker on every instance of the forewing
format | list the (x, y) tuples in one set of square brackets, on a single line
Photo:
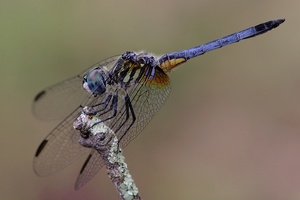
[(59, 100)]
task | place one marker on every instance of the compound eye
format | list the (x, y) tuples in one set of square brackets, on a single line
[(95, 82)]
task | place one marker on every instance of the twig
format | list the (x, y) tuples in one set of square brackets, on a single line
[(101, 138)]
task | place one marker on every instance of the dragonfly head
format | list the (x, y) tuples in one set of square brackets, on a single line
[(94, 81)]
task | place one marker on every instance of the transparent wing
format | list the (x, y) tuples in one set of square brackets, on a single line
[(59, 148), (59, 100), (91, 166)]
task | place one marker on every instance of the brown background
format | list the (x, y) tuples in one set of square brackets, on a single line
[(230, 130)]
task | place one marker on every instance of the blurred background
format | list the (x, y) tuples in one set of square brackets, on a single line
[(230, 129)]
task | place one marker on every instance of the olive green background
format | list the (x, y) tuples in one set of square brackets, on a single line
[(230, 129)]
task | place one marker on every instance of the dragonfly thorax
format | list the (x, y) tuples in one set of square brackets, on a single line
[(94, 81)]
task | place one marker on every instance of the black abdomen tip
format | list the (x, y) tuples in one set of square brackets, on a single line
[(277, 22)]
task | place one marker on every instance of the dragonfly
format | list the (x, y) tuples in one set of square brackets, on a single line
[(125, 91)]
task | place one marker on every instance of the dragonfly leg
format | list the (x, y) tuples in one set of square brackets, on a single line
[(114, 107), (104, 103), (108, 98), (129, 109)]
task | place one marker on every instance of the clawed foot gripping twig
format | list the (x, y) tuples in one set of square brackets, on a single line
[(101, 138)]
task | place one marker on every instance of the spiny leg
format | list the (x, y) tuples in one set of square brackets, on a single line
[(104, 103), (130, 109), (114, 107)]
